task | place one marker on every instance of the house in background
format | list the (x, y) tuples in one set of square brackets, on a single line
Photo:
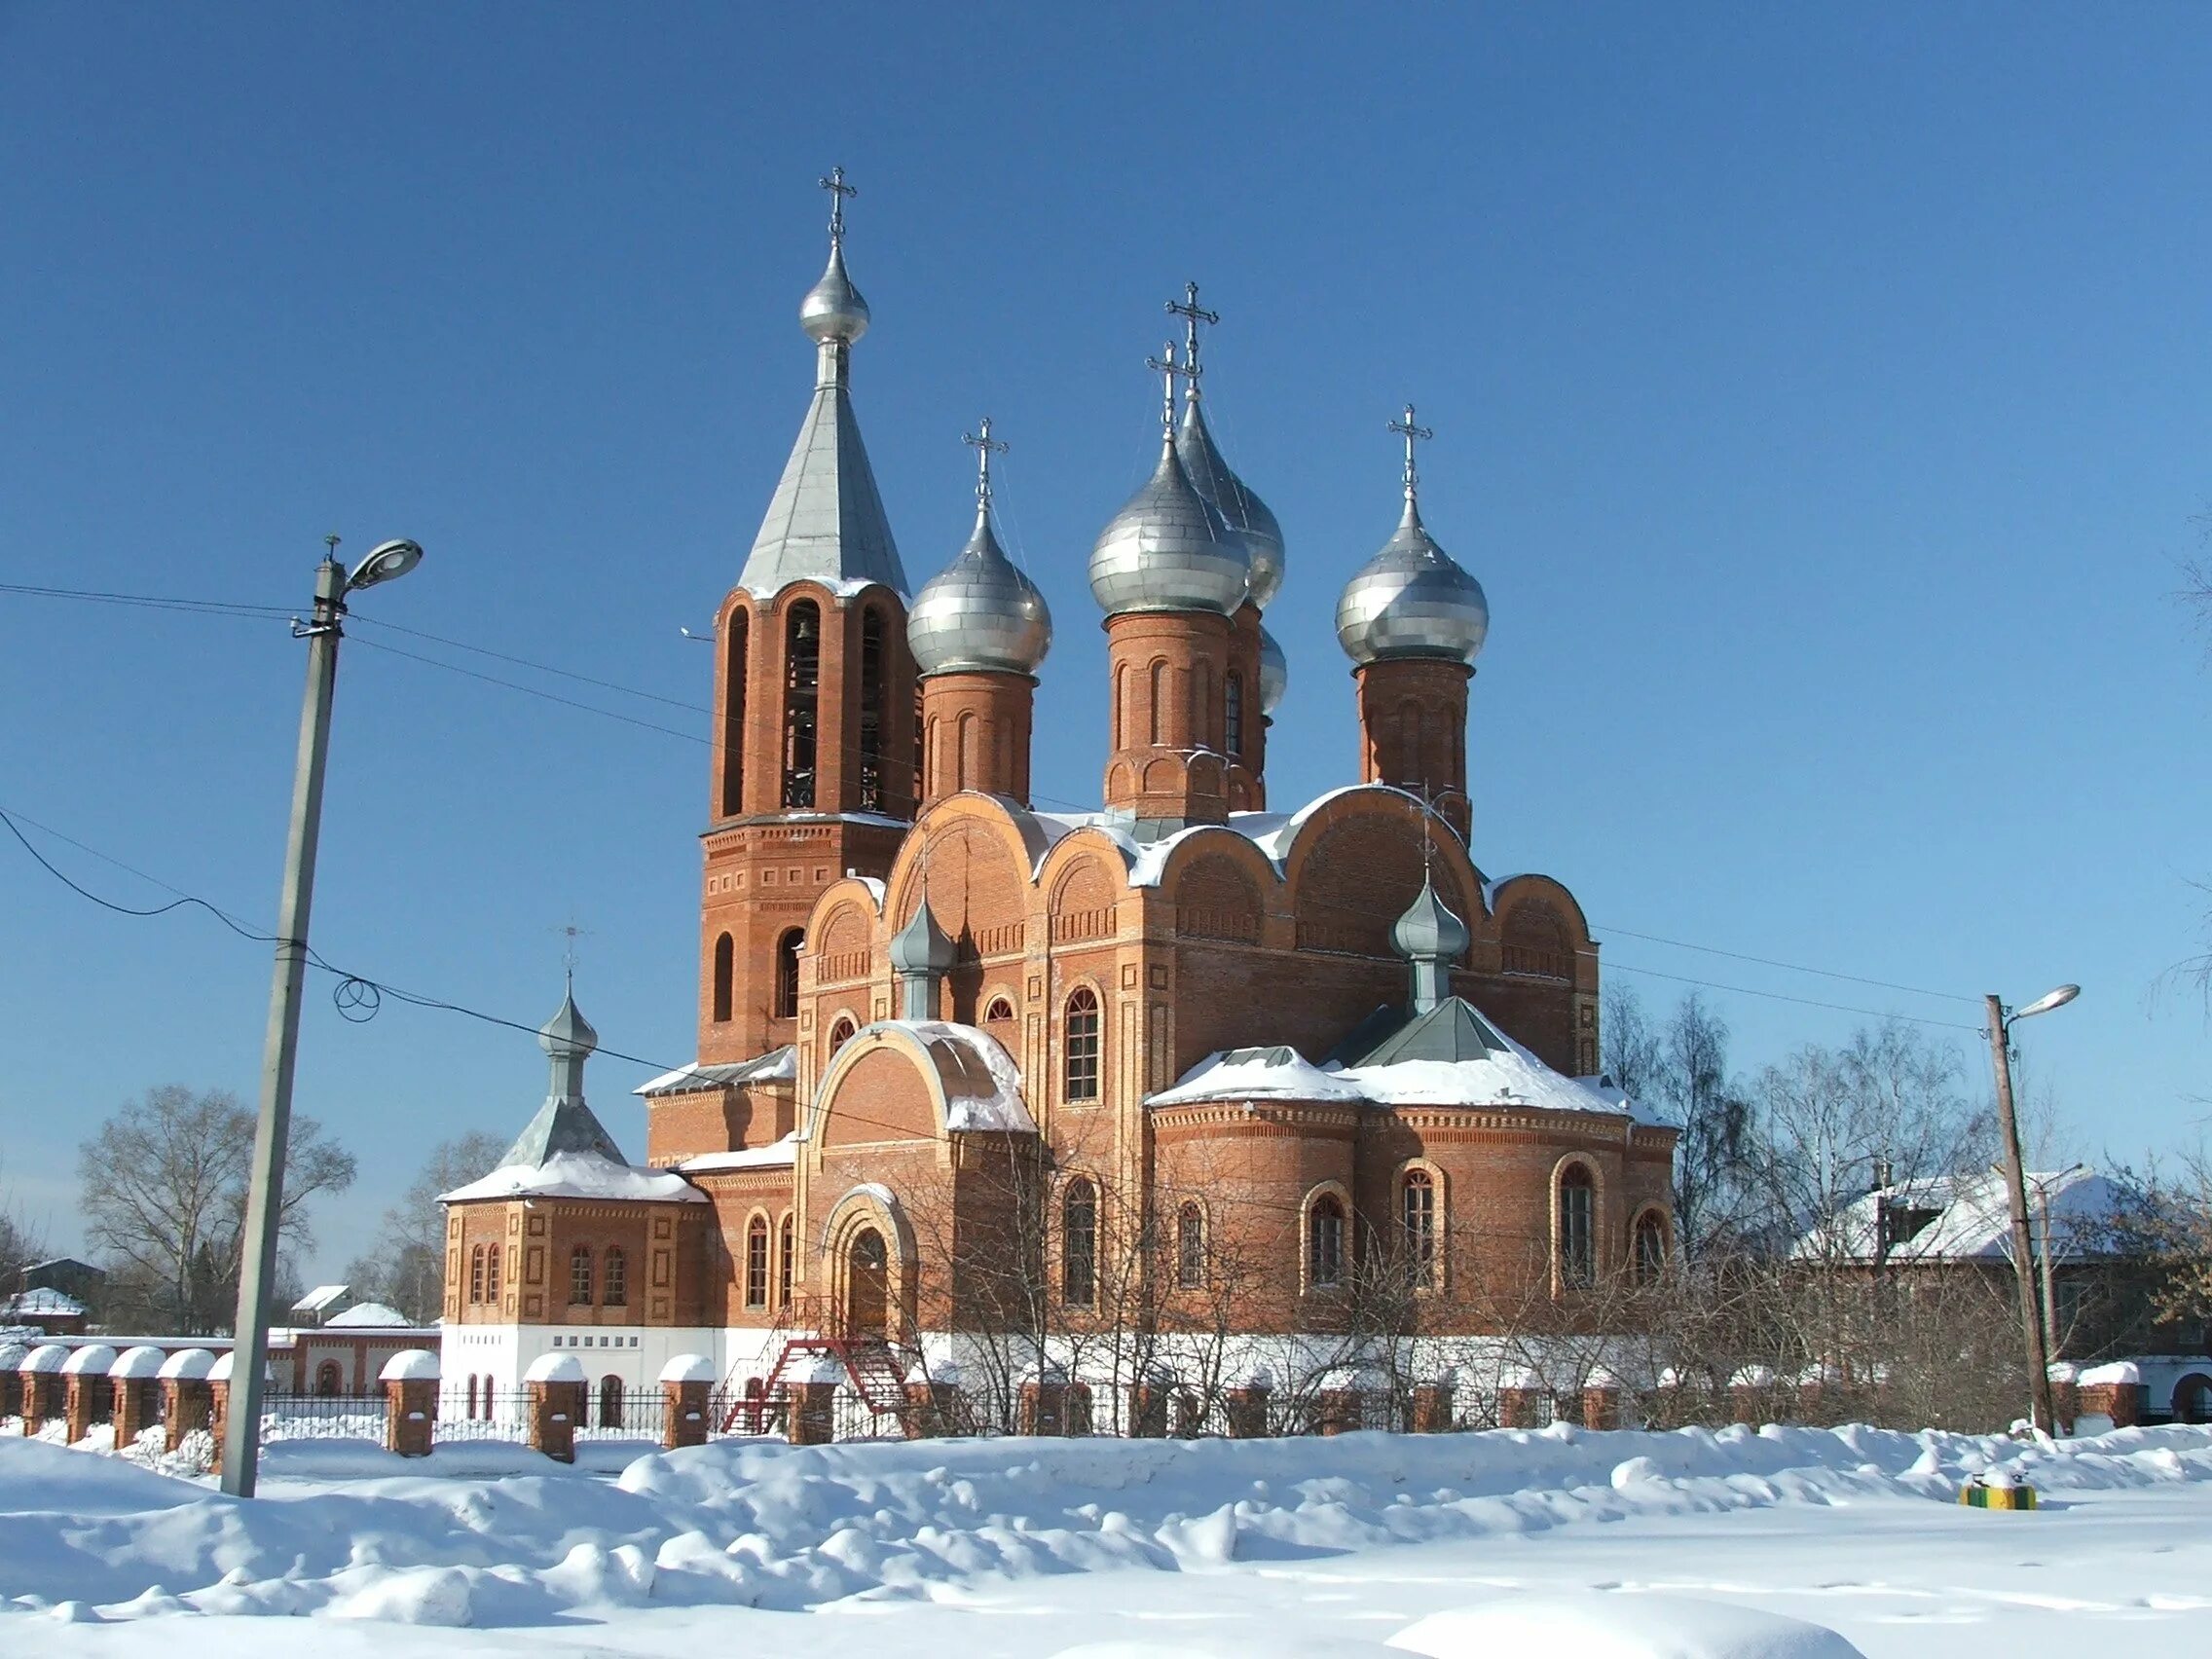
[(45, 1310)]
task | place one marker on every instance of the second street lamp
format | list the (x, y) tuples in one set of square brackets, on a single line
[(265, 1198), (2016, 1196)]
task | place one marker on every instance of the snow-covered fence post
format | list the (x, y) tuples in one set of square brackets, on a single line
[(1149, 1396), (188, 1402), (1601, 1400), (557, 1388), (11, 1378), (1520, 1398), (1339, 1405), (686, 1382), (2065, 1395), (410, 1379), (1431, 1411), (2107, 1396), (933, 1402), (1246, 1407), (135, 1379), (810, 1396), (40, 1378), (85, 1391)]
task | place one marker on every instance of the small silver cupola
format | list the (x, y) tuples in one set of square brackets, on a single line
[(1275, 673), (921, 955), (833, 311), (1433, 940), (567, 1040), (979, 614), (1168, 550), (1227, 494), (1412, 598)]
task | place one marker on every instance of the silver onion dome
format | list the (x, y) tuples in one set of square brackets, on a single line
[(568, 1034), (1275, 673), (833, 309), (1232, 498), (921, 946), (1428, 931), (979, 612), (1168, 550), (1412, 598)]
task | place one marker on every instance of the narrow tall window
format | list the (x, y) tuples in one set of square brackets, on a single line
[(733, 713), (785, 1252), (1081, 1048), (1202, 711), (1650, 1247), (614, 1279), (492, 1275), (1325, 1242), (1191, 1246), (579, 1276), (1577, 1227), (1159, 709), (802, 690), (725, 976), (1418, 1212), (1233, 703), (756, 1261), (610, 1402), (875, 714), (1078, 1244), (787, 974), (476, 1274)]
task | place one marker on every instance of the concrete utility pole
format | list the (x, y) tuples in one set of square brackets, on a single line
[(2017, 1195), (264, 1201)]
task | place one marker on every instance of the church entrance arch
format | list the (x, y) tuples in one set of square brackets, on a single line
[(868, 1286)]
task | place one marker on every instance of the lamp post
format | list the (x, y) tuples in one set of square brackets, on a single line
[(265, 1199), (2017, 1192)]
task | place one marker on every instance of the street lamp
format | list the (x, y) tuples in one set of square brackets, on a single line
[(2016, 1194), (265, 1199)]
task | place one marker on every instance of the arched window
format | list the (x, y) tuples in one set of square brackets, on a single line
[(476, 1274), (472, 1393), (1078, 1244), (614, 1279), (733, 713), (1417, 1206), (1577, 1225), (802, 689), (579, 1276), (875, 714), (492, 1275), (1232, 702), (967, 763), (1160, 697), (1202, 734), (1000, 1012), (1325, 1242), (756, 1261), (725, 976), (1650, 1247), (1081, 1048), (787, 1251), (840, 1034), (787, 972), (1120, 705), (610, 1402), (1191, 1246), (327, 1378)]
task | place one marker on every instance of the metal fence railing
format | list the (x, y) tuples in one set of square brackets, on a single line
[(320, 1416), (630, 1413)]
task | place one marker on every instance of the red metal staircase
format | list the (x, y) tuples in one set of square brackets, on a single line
[(869, 1362)]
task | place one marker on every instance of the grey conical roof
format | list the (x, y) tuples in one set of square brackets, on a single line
[(921, 946), (1455, 1029), (560, 1126)]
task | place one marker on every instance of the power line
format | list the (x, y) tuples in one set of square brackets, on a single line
[(151, 601), (1792, 966), (1802, 1002)]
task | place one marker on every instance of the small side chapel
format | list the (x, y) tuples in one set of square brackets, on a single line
[(1185, 1058)]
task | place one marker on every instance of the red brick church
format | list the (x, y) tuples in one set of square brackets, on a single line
[(975, 1078)]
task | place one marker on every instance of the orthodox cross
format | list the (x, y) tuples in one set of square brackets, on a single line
[(984, 446), (1171, 371), (1408, 431), (839, 190), (1191, 313), (570, 934)]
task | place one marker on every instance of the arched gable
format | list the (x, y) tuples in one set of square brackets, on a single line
[(977, 853), (1356, 861), (890, 1083), (1516, 890)]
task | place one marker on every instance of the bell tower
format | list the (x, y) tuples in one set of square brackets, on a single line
[(813, 770)]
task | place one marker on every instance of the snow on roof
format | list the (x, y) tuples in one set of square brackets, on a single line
[(12, 1356), (778, 1065), (319, 1298), (1965, 1218), (982, 1085), (369, 1316), (1508, 1077), (411, 1365), (91, 1360), (135, 1363), (579, 1175), (776, 1155), (43, 1303)]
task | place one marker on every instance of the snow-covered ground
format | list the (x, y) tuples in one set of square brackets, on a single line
[(1034, 1548)]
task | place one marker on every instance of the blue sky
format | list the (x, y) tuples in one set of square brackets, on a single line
[(1820, 395)]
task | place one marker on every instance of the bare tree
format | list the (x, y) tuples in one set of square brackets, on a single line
[(405, 1268), (1682, 1068), (19, 1245), (165, 1186)]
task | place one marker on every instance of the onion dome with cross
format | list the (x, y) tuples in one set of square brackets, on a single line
[(1225, 492), (1412, 598), (979, 614), (1168, 549), (833, 310)]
